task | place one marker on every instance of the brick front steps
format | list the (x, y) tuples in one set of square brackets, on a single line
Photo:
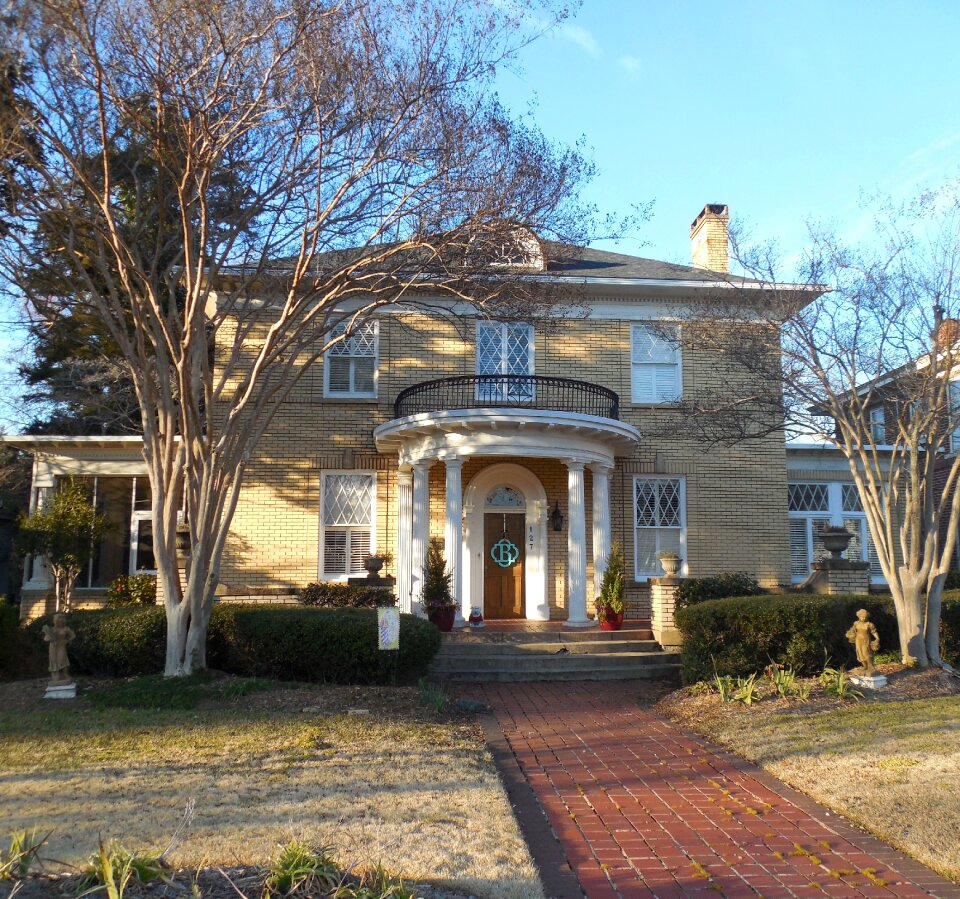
[(541, 652)]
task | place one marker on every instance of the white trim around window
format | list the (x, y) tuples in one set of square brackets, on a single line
[(656, 365), (659, 522), (347, 523), (351, 367)]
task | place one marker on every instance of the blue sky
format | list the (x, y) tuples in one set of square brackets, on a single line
[(784, 111)]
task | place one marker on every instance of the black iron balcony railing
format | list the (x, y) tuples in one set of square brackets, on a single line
[(510, 392)]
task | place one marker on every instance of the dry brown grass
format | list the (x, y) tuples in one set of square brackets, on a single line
[(422, 797), (890, 764)]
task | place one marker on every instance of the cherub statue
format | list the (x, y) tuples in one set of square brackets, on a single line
[(58, 636), (863, 635)]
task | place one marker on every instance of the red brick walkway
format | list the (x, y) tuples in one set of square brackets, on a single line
[(643, 809)]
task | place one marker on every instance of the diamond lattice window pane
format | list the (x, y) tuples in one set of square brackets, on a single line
[(653, 345), (669, 504), (807, 498), (658, 503), (489, 348), (363, 342), (851, 498), (518, 349), (646, 504), (347, 499)]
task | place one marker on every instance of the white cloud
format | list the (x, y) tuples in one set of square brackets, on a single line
[(581, 37), (631, 64)]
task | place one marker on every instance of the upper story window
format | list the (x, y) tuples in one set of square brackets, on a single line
[(504, 348), (350, 366), (655, 364), (346, 523), (878, 425), (954, 416)]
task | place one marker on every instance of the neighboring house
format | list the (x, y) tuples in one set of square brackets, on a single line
[(551, 440)]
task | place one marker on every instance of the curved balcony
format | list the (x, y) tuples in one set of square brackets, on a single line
[(507, 415), (508, 392)]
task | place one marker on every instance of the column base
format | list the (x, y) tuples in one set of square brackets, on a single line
[(588, 622)]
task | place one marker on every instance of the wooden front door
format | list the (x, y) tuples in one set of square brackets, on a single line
[(503, 584)]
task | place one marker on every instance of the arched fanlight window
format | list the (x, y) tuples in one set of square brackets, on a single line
[(505, 498)]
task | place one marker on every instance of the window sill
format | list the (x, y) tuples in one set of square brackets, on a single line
[(669, 404), (343, 398)]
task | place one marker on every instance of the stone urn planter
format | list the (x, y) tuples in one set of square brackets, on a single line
[(836, 540), (670, 562), (373, 565)]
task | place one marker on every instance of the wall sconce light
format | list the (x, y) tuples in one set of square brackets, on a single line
[(556, 517)]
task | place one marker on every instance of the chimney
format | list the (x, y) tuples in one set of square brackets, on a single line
[(708, 238)]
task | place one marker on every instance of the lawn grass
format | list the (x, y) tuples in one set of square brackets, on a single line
[(263, 766), (891, 766)]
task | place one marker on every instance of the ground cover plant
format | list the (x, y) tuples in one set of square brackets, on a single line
[(376, 772), (889, 761)]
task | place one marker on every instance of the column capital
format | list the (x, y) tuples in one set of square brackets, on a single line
[(452, 461), (404, 475), (601, 468), (423, 464), (574, 464)]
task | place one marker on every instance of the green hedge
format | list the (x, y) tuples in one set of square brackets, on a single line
[(117, 642), (345, 596), (287, 643), (741, 635), (692, 590)]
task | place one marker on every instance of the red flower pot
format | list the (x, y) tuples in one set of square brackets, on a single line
[(443, 618), (612, 622)]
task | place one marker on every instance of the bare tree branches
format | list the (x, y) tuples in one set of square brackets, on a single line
[(224, 182)]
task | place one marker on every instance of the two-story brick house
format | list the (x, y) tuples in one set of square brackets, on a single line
[(527, 447)]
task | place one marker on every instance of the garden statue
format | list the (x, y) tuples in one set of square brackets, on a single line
[(58, 636), (863, 635)]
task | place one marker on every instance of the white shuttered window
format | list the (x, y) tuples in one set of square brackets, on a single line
[(346, 523), (659, 524), (350, 366), (655, 364)]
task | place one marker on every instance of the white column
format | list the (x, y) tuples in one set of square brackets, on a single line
[(453, 534), (601, 522), (41, 579), (404, 537), (420, 519), (576, 548)]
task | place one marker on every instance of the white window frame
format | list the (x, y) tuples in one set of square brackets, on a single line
[(651, 331), (353, 394), (837, 516), (344, 472), (878, 426), (502, 328), (682, 482), (954, 415)]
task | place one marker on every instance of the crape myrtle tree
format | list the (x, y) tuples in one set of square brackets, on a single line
[(865, 326), (225, 183)]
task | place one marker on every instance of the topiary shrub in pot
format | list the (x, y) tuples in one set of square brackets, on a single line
[(437, 599), (610, 603)]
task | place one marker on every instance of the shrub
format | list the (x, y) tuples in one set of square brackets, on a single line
[(9, 621), (345, 596), (720, 586), (741, 635), (610, 601), (950, 628), (116, 642), (138, 589), (324, 645), (286, 643), (436, 579)]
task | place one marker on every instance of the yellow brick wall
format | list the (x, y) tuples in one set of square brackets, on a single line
[(735, 497)]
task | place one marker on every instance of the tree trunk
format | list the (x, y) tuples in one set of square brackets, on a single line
[(909, 601), (932, 628)]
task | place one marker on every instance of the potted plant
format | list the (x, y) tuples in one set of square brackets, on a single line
[(670, 562), (376, 560), (610, 603), (437, 599)]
